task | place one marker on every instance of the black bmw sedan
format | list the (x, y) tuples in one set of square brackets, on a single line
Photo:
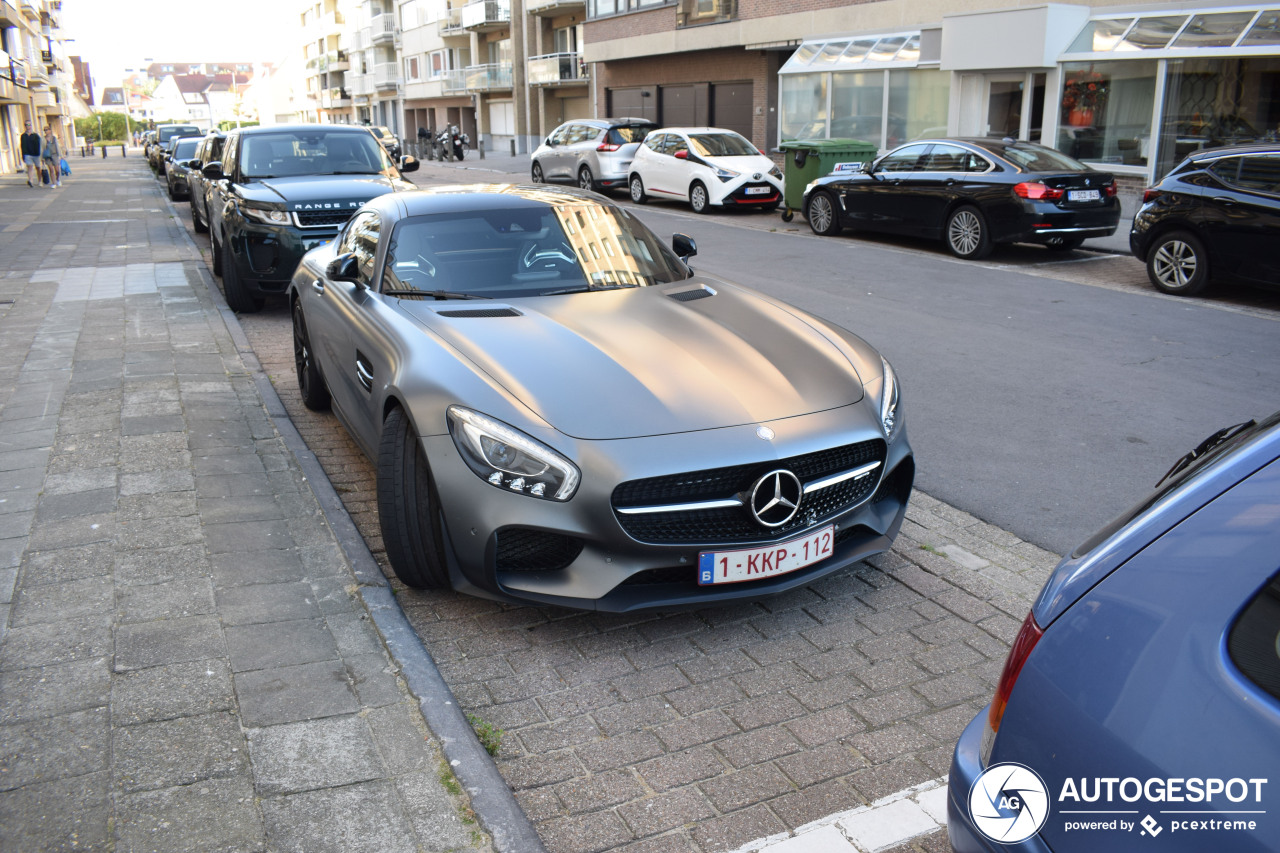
[(972, 194)]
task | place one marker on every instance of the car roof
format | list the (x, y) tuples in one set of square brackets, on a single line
[(700, 130), (466, 197), (328, 128), (1234, 150)]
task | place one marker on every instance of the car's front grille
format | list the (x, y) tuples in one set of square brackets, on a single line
[(322, 218), (521, 549), (735, 524)]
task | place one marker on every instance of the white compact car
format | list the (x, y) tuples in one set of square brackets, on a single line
[(706, 166)]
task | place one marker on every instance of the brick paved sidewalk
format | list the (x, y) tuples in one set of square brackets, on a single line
[(187, 661)]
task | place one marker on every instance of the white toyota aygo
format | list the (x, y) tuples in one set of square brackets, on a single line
[(705, 166)]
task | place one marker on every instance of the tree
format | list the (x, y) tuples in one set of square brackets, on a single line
[(114, 126)]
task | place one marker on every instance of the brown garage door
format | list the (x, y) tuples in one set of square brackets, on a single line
[(631, 103), (680, 106), (731, 107)]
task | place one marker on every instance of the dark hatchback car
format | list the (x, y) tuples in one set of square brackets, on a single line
[(178, 165), (1215, 216), (970, 193), (210, 151), (160, 146), (1144, 685), (282, 190)]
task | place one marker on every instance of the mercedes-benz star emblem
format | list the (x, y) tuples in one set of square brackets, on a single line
[(775, 498)]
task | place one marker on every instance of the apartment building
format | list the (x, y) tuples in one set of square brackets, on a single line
[(36, 76)]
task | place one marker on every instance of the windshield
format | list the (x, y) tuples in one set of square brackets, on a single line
[(186, 149), (312, 152), (1035, 158), (527, 251), (722, 145)]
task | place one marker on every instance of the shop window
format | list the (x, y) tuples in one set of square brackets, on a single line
[(1218, 101), (918, 102), (802, 101), (1105, 111), (857, 109)]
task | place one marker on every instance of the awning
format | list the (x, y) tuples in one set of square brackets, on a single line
[(1208, 32), (855, 53)]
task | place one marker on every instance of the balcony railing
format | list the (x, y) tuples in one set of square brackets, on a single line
[(30, 9), (486, 14), (335, 98), (334, 60), (386, 75), (553, 7), (484, 78), (552, 68), (451, 23), (692, 13), (359, 84), (384, 29)]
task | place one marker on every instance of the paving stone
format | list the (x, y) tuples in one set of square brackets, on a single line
[(167, 641), (585, 833), (283, 694), (180, 751), (681, 768), (53, 643), (50, 691), (373, 678), (732, 791), (536, 771), (361, 817), (172, 600), (659, 813), (211, 815), (734, 830), (812, 766), (622, 751), (825, 726), (874, 783), (702, 728), (67, 565), (279, 644), (312, 755), (758, 746), (88, 600), (599, 791), (37, 817), (176, 690), (764, 711)]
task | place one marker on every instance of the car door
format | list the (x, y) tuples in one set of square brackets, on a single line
[(337, 324), (1242, 216), (648, 159), (220, 189), (552, 160), (878, 200), (943, 176)]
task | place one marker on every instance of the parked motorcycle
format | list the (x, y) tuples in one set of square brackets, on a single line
[(451, 144)]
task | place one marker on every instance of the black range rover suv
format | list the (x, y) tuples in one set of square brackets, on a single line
[(280, 191)]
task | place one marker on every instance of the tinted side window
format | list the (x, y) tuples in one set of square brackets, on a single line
[(947, 158), (229, 152), (655, 142), (363, 237), (1260, 172), (1254, 642), (676, 144), (904, 159)]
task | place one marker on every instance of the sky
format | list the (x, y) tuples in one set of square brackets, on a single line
[(115, 35)]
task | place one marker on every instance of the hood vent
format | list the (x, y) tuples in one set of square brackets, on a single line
[(481, 312), (701, 292)]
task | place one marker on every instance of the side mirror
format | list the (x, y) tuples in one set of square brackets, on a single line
[(192, 164), (213, 171), (408, 163), (343, 268), (550, 142), (683, 246), (682, 154)]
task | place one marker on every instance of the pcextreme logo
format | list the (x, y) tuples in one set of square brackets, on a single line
[(1010, 802)]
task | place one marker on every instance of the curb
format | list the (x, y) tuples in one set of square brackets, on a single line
[(491, 799)]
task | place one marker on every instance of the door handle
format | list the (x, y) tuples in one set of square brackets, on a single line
[(317, 286), (1224, 200)]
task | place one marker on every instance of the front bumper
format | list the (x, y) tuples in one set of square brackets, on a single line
[(266, 256), (747, 192), (601, 567)]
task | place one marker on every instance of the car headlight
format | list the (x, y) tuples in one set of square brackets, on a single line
[(776, 172), (889, 418), (508, 459), (265, 213), (725, 174)]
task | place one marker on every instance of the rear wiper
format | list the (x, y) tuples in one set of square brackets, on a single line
[(1205, 446), (434, 294)]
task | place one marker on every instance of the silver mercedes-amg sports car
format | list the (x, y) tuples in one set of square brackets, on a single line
[(562, 411)]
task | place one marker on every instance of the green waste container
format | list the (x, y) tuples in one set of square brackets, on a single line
[(807, 159)]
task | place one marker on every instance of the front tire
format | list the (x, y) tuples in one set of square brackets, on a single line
[(698, 198), (315, 394), (536, 173), (408, 506), (1177, 264), (966, 234), (636, 186), (821, 214), (239, 299), (585, 179)]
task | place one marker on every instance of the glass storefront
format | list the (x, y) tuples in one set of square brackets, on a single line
[(1210, 102), (1106, 111), (802, 102)]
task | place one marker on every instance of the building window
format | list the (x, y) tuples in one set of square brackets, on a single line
[(603, 8), (1218, 101), (918, 103), (802, 101), (857, 108), (1105, 111), (411, 64)]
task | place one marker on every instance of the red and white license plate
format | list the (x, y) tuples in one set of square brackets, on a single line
[(754, 563)]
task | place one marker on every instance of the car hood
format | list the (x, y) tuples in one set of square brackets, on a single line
[(743, 163), (640, 362), (319, 192)]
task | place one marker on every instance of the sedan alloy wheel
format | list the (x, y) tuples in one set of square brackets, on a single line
[(821, 214), (967, 234)]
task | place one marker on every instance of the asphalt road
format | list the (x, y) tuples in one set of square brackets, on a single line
[(1041, 405)]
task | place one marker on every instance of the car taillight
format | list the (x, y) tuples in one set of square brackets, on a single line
[(1109, 190), (1028, 636), (1150, 194), (607, 146), (1036, 191)]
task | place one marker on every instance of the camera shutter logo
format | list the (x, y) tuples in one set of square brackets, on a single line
[(1009, 803)]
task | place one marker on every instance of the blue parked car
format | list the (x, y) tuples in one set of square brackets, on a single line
[(1139, 708)]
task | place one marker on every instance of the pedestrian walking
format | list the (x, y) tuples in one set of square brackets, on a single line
[(30, 143), (51, 154)]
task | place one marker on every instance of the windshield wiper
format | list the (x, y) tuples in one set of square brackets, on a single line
[(581, 288), (361, 172), (1205, 446), (434, 294)]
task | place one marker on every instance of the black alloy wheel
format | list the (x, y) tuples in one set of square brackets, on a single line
[(822, 215), (1177, 264), (409, 506), (311, 386), (966, 234), (239, 298)]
